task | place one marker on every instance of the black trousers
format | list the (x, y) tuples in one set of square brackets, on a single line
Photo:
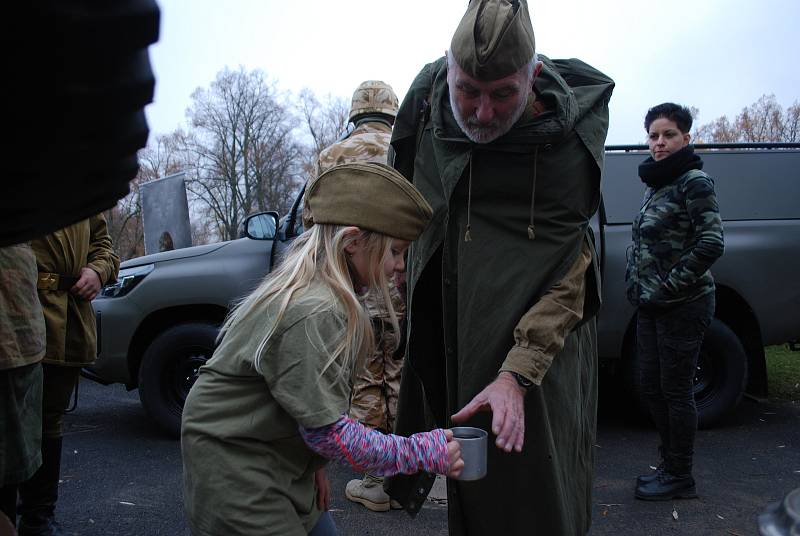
[(58, 385), (668, 343)]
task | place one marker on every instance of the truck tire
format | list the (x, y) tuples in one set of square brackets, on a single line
[(720, 379), (721, 374), (169, 369)]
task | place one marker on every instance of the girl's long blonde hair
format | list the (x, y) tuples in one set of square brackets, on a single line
[(318, 255)]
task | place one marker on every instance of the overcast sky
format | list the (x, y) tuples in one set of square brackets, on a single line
[(716, 55)]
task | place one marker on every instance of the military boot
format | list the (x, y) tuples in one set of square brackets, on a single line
[(667, 486), (649, 477), (369, 492), (39, 494)]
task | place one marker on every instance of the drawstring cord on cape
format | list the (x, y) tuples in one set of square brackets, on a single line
[(531, 232), (531, 228), (467, 236)]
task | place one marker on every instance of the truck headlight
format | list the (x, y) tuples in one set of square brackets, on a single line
[(126, 280)]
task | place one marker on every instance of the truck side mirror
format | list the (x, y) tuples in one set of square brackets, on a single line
[(261, 226)]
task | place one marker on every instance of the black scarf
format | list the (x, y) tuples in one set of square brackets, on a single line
[(657, 174)]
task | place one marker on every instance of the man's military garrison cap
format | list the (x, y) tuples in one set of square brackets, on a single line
[(494, 39)]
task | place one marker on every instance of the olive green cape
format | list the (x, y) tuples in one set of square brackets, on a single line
[(466, 297)]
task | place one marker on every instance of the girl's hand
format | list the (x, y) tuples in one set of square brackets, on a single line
[(454, 455), (323, 489)]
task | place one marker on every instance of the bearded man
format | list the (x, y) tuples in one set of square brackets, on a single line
[(507, 147)]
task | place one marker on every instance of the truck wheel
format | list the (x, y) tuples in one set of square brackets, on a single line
[(721, 375), (169, 369), (719, 381)]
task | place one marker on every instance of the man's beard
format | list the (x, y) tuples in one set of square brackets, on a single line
[(487, 132)]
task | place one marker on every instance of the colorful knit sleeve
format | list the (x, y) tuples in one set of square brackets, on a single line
[(367, 450)]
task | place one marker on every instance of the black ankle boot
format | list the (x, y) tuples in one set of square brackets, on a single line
[(667, 486), (39, 494), (649, 477)]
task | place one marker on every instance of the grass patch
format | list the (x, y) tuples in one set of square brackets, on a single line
[(783, 373)]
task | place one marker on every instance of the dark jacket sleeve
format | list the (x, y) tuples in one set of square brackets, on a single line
[(703, 210)]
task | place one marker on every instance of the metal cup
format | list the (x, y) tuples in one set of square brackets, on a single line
[(473, 451)]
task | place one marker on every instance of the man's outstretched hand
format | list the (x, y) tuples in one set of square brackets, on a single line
[(505, 398)]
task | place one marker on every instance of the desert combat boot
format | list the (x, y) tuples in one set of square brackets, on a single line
[(369, 492)]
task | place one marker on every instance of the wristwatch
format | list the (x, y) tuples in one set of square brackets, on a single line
[(523, 382)]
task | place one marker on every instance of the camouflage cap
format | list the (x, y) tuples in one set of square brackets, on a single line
[(373, 96), (370, 196), (494, 39)]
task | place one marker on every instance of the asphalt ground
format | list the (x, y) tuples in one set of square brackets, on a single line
[(121, 476)]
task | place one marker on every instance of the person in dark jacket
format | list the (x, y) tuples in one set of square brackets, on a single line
[(677, 236)]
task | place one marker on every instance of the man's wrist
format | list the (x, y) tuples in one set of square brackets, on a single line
[(520, 380)]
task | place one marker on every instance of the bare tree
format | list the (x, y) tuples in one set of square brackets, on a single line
[(325, 121), (763, 121), (792, 123), (163, 158), (243, 156), (247, 149), (125, 225), (719, 130)]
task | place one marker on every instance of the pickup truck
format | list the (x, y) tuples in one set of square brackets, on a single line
[(158, 324)]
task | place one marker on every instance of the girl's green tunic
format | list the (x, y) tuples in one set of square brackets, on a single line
[(246, 468)]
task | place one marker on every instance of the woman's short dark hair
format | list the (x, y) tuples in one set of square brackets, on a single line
[(669, 110)]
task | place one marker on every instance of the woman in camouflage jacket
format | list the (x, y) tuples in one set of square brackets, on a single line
[(677, 236)]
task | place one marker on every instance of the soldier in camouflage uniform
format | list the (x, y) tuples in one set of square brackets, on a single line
[(375, 390), (677, 236), (372, 112), (22, 345), (376, 385)]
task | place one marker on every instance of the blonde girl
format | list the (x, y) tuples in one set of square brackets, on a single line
[(269, 408)]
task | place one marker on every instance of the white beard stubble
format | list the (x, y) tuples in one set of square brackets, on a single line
[(486, 133)]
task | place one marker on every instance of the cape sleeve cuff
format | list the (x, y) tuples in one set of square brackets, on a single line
[(528, 362), (99, 271)]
